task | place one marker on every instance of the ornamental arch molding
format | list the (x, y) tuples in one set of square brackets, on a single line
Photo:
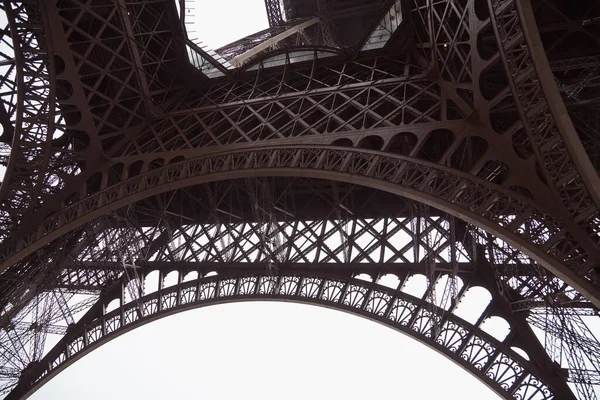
[(492, 361), (503, 213)]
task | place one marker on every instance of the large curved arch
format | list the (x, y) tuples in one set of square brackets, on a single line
[(490, 360), (503, 213)]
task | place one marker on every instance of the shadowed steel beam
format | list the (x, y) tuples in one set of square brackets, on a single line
[(238, 61), (458, 339), (349, 268), (135, 53), (274, 14), (236, 267)]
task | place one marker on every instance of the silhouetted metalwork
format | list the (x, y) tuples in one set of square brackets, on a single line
[(346, 152)]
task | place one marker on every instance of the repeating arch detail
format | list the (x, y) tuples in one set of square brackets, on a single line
[(493, 362)]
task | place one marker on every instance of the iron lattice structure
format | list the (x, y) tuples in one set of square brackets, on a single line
[(349, 149)]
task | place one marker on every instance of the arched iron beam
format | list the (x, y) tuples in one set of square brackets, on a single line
[(542, 110), (495, 209), (490, 360)]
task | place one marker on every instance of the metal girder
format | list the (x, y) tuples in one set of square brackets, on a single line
[(504, 296), (274, 12), (436, 124), (168, 256), (345, 269), (543, 123), (297, 29), (29, 174), (414, 180), (487, 358), (575, 63)]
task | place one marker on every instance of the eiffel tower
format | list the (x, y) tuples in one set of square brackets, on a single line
[(351, 144)]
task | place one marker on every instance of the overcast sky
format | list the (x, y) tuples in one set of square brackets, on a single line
[(264, 351), (220, 22)]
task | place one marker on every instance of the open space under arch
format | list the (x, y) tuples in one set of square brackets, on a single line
[(242, 350)]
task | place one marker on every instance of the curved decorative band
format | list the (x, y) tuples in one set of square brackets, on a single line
[(495, 209), (488, 359)]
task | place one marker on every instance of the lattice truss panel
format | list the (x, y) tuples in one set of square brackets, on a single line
[(106, 143), (275, 12), (573, 55), (28, 109), (106, 74), (264, 237)]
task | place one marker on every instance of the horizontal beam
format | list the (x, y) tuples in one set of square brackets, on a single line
[(239, 60), (590, 377), (47, 328), (287, 267), (345, 269)]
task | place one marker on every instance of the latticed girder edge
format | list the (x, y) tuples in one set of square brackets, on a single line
[(488, 359)]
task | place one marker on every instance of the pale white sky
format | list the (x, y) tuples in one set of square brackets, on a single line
[(220, 22), (264, 351)]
